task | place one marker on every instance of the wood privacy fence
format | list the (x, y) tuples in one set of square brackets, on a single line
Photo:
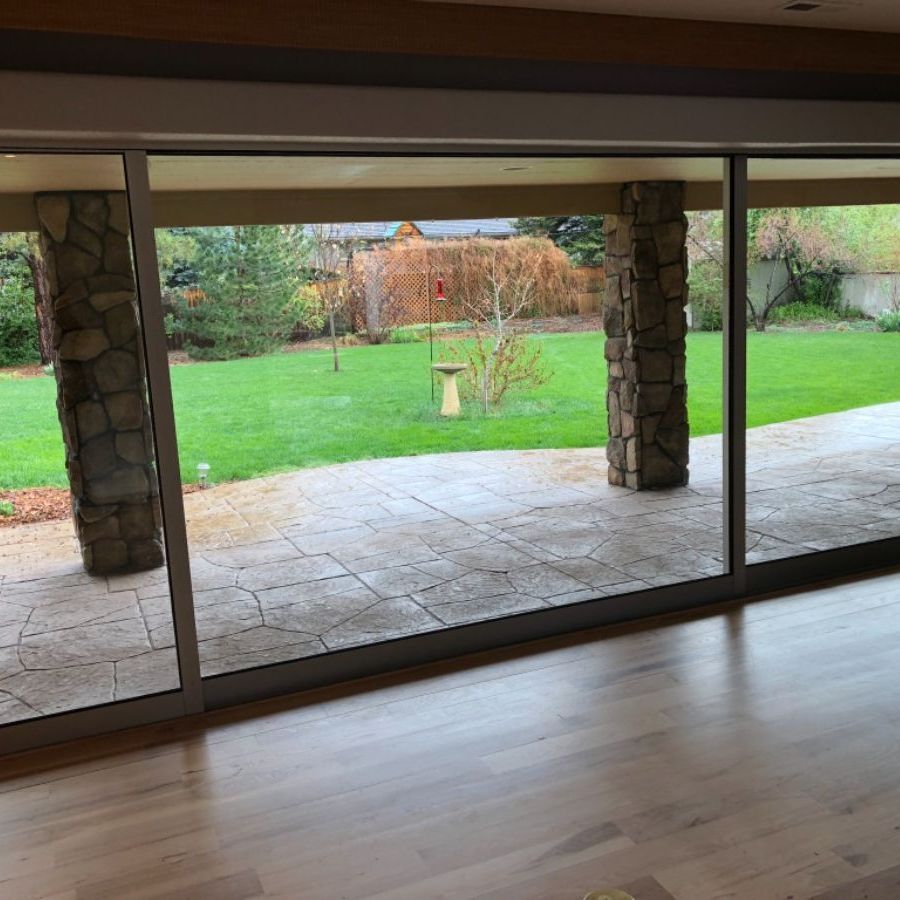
[(591, 283)]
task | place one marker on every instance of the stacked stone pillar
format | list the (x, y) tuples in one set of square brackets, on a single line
[(645, 325), (101, 382)]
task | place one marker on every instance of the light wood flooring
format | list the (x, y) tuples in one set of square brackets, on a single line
[(750, 751)]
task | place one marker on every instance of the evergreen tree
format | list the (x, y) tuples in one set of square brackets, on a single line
[(176, 249), (26, 324), (248, 278), (580, 236)]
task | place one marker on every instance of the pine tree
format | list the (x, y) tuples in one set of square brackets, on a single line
[(580, 236), (248, 278)]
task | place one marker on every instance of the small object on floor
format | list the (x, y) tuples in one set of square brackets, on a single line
[(608, 894)]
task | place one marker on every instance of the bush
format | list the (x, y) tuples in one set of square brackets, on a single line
[(888, 320), (18, 324), (496, 368), (6, 508), (804, 312), (821, 289), (707, 296), (411, 334)]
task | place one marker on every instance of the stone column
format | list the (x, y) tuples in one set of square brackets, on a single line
[(100, 378), (645, 325)]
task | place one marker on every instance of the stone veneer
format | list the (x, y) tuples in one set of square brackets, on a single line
[(101, 383), (645, 325)]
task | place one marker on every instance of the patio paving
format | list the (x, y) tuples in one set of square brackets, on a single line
[(320, 559)]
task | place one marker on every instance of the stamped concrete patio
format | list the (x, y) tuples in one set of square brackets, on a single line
[(320, 559)]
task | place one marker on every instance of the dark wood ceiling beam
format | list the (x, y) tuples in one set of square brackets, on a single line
[(453, 30)]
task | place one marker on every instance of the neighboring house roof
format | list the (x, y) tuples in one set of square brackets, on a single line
[(431, 229)]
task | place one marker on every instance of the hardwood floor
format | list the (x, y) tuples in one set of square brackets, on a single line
[(744, 752)]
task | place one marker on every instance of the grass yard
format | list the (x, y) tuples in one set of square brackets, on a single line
[(257, 416)]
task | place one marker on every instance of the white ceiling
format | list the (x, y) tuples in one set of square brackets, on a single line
[(29, 173), (862, 15), (328, 173), (218, 190)]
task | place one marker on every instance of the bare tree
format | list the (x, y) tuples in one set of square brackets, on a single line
[(330, 259), (375, 277), (498, 282), (795, 239)]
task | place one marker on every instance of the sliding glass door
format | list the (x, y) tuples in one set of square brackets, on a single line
[(276, 421), (85, 608), (823, 356), (395, 420)]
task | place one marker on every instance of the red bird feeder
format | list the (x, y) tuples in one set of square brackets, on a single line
[(439, 293)]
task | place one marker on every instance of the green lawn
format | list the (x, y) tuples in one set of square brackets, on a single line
[(257, 416)]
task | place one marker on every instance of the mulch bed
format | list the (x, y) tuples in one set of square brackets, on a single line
[(553, 325), (46, 504), (33, 371), (36, 505)]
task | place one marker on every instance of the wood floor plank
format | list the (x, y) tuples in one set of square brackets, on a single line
[(746, 751), (878, 886)]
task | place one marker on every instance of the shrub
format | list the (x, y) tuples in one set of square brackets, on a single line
[(804, 312), (410, 334), (707, 314), (18, 324), (707, 296), (854, 312), (498, 281), (888, 320), (6, 508), (822, 289), (497, 367)]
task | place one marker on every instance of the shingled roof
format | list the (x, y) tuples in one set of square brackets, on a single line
[(431, 229)]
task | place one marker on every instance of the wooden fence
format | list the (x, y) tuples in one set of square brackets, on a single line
[(402, 293), (407, 295), (591, 282)]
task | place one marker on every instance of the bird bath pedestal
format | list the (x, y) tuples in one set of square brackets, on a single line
[(450, 406)]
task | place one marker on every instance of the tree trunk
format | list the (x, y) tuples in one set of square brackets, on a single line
[(43, 306), (832, 283), (334, 347)]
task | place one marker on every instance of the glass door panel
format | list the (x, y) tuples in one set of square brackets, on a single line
[(394, 420), (823, 350), (85, 614)]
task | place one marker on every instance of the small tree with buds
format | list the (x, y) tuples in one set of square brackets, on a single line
[(497, 283)]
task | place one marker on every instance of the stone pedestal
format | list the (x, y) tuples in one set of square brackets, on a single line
[(645, 325), (450, 405), (101, 385)]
